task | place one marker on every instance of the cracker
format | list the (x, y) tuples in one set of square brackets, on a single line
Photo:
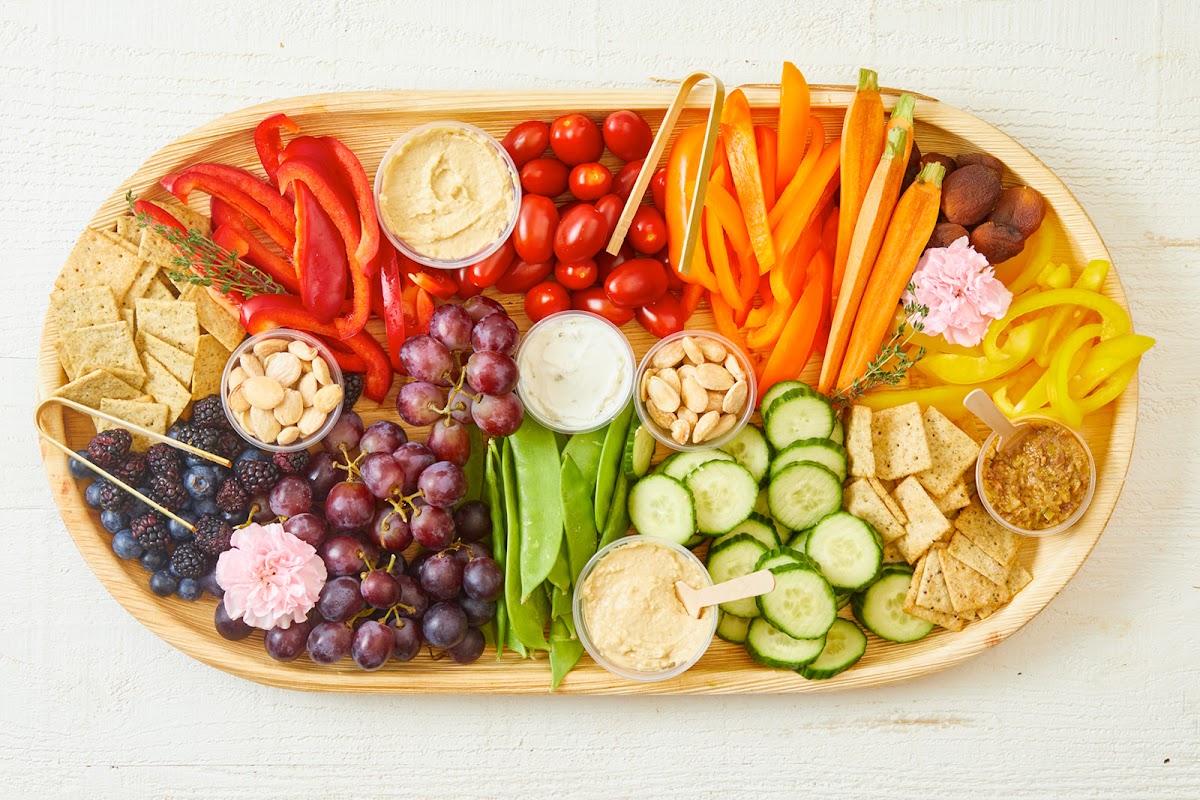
[(99, 258), (173, 321), (128, 317), (947, 621), (91, 388), (165, 388), (968, 589), (957, 497), (914, 584), (109, 347), (177, 362), (884, 491), (933, 593), (951, 450), (128, 229), (213, 317), (990, 536), (211, 356), (926, 524), (1018, 578), (891, 552), (970, 554), (860, 452), (910, 548), (157, 290), (147, 273), (64, 358), (149, 415), (156, 249), (81, 308), (862, 501), (898, 437)]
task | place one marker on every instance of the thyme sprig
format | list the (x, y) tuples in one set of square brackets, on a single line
[(201, 261), (894, 359)]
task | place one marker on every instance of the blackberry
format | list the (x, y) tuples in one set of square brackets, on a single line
[(151, 532), (109, 448), (231, 497), (207, 412), (162, 459), (292, 463), (227, 445), (167, 490), (352, 387), (201, 438), (113, 497), (213, 534), (188, 562), (256, 476), (132, 469)]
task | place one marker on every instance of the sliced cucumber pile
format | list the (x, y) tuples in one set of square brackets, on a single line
[(731, 559), (662, 506), (798, 414), (749, 447), (802, 494), (775, 392), (802, 604), (828, 454)]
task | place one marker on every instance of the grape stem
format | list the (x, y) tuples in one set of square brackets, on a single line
[(254, 509)]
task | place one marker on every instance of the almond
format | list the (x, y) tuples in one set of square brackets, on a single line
[(302, 350), (714, 376), (668, 355), (268, 347), (734, 367), (284, 368), (262, 392), (680, 430), (237, 401), (288, 435), (236, 376), (704, 427), (310, 420), (662, 395), (715, 401), (288, 412), (251, 365), (264, 426), (713, 350), (685, 370), (321, 370), (660, 417), (691, 349), (308, 388), (686, 413), (671, 378), (694, 395), (328, 398), (724, 425), (643, 387), (735, 398)]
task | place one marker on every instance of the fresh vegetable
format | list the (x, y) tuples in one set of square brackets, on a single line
[(545, 299), (793, 124), (740, 148), (862, 146), (608, 470), (801, 605), (845, 644), (880, 608), (575, 139), (664, 507), (527, 141), (733, 558), (535, 461)]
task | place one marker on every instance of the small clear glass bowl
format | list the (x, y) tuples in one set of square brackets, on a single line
[(523, 388), (663, 435), (335, 373), (1069, 521), (456, 263), (581, 621)]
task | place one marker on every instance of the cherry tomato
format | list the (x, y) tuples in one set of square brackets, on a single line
[(590, 181), (466, 286), (545, 176), (626, 178), (636, 283), (575, 139), (627, 135), (597, 302), (662, 317), (580, 234), (658, 188), (606, 262), (611, 207), (576, 276), (486, 272), (524, 275), (533, 237), (545, 299), (527, 141), (674, 282), (648, 231)]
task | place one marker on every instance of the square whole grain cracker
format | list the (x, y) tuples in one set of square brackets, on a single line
[(933, 593), (157, 290), (951, 450), (129, 230), (82, 308), (211, 356), (99, 258), (173, 321), (898, 437), (884, 492), (177, 362), (109, 347), (147, 274), (146, 414), (909, 548), (213, 317), (892, 554), (165, 388), (957, 497), (64, 358), (1018, 578), (860, 452), (948, 621), (990, 536), (926, 524), (970, 554), (91, 388), (914, 583), (968, 589), (861, 501)]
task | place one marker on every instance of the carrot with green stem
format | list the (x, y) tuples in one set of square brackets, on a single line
[(862, 147)]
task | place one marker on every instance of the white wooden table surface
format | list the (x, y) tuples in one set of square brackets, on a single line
[(1098, 697)]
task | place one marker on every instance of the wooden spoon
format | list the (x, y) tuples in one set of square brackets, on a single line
[(751, 585), (979, 404)]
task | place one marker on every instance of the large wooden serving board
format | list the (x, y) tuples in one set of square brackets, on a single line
[(369, 122)]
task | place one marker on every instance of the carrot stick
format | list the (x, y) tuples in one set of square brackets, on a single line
[(722, 203), (912, 223), (795, 343), (719, 253), (817, 189), (902, 117), (794, 104), (740, 148), (862, 147), (869, 231), (767, 143), (796, 185)]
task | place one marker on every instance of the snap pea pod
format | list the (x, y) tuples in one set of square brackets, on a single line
[(560, 604), (535, 461), (561, 440), (565, 652), (474, 467), (560, 574), (610, 464), (584, 449), (526, 616), (579, 516), (618, 515), (491, 481)]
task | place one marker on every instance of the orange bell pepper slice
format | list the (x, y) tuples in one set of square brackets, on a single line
[(816, 133), (742, 151), (717, 251), (767, 143), (799, 335), (720, 202), (723, 317), (794, 105), (818, 189)]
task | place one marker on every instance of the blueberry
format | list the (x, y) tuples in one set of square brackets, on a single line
[(91, 495), (78, 468), (205, 505), (252, 454), (155, 560), (189, 589), (209, 582), (138, 509), (200, 481), (163, 583), (125, 546), (179, 532), (113, 521), (175, 430)]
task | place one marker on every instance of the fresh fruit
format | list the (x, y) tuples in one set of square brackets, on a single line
[(597, 301), (533, 236), (589, 181), (545, 299), (526, 141), (636, 283), (580, 234), (575, 139), (545, 176), (627, 135)]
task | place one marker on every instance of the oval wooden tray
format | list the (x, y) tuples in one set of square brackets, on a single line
[(368, 122)]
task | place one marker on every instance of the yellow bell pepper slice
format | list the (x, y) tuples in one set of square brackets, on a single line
[(1114, 319), (1016, 352), (1019, 273), (1105, 359), (1059, 374), (1110, 389), (1091, 279)]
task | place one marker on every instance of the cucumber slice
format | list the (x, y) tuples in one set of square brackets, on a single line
[(819, 451), (760, 505), (732, 629), (758, 527), (799, 414), (839, 432), (731, 559), (844, 646), (695, 541), (777, 391), (843, 599), (881, 608), (802, 604), (662, 506), (680, 465), (781, 556), (801, 494), (724, 492), (772, 647), (847, 549), (639, 449), (751, 450), (799, 541)]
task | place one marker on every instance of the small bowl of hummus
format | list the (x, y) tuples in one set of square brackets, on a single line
[(628, 616), (447, 194)]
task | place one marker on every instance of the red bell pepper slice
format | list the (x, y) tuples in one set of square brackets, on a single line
[(425, 308), (347, 359), (183, 184), (233, 234), (158, 214), (392, 297), (268, 141), (364, 196), (263, 193), (320, 257), (439, 283), (320, 155)]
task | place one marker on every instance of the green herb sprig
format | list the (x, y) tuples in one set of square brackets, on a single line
[(894, 359)]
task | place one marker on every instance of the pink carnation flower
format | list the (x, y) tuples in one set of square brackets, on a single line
[(270, 577), (961, 291)]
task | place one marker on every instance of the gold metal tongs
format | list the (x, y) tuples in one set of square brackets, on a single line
[(39, 422), (692, 230)]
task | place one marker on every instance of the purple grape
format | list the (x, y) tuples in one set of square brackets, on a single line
[(380, 589), (383, 436), (372, 645), (329, 642), (343, 555), (443, 484), (232, 629), (469, 649), (451, 325), (349, 506), (291, 495), (413, 458), (496, 332), (479, 612), (498, 416), (461, 402), (413, 596), (345, 433), (390, 530), (286, 644), (482, 579), (491, 372), (432, 527), (472, 550), (450, 440), (473, 521), (322, 474), (480, 307), (427, 359), (340, 599), (260, 509), (209, 584), (418, 563), (382, 476), (406, 641), (307, 528), (395, 565), (442, 576), (420, 403), (444, 625)]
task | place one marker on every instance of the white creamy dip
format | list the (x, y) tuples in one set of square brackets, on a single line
[(576, 371)]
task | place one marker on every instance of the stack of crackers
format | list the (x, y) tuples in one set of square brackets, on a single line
[(909, 477), (133, 343)]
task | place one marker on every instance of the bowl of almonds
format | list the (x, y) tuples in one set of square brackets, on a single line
[(695, 390), (282, 390)]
